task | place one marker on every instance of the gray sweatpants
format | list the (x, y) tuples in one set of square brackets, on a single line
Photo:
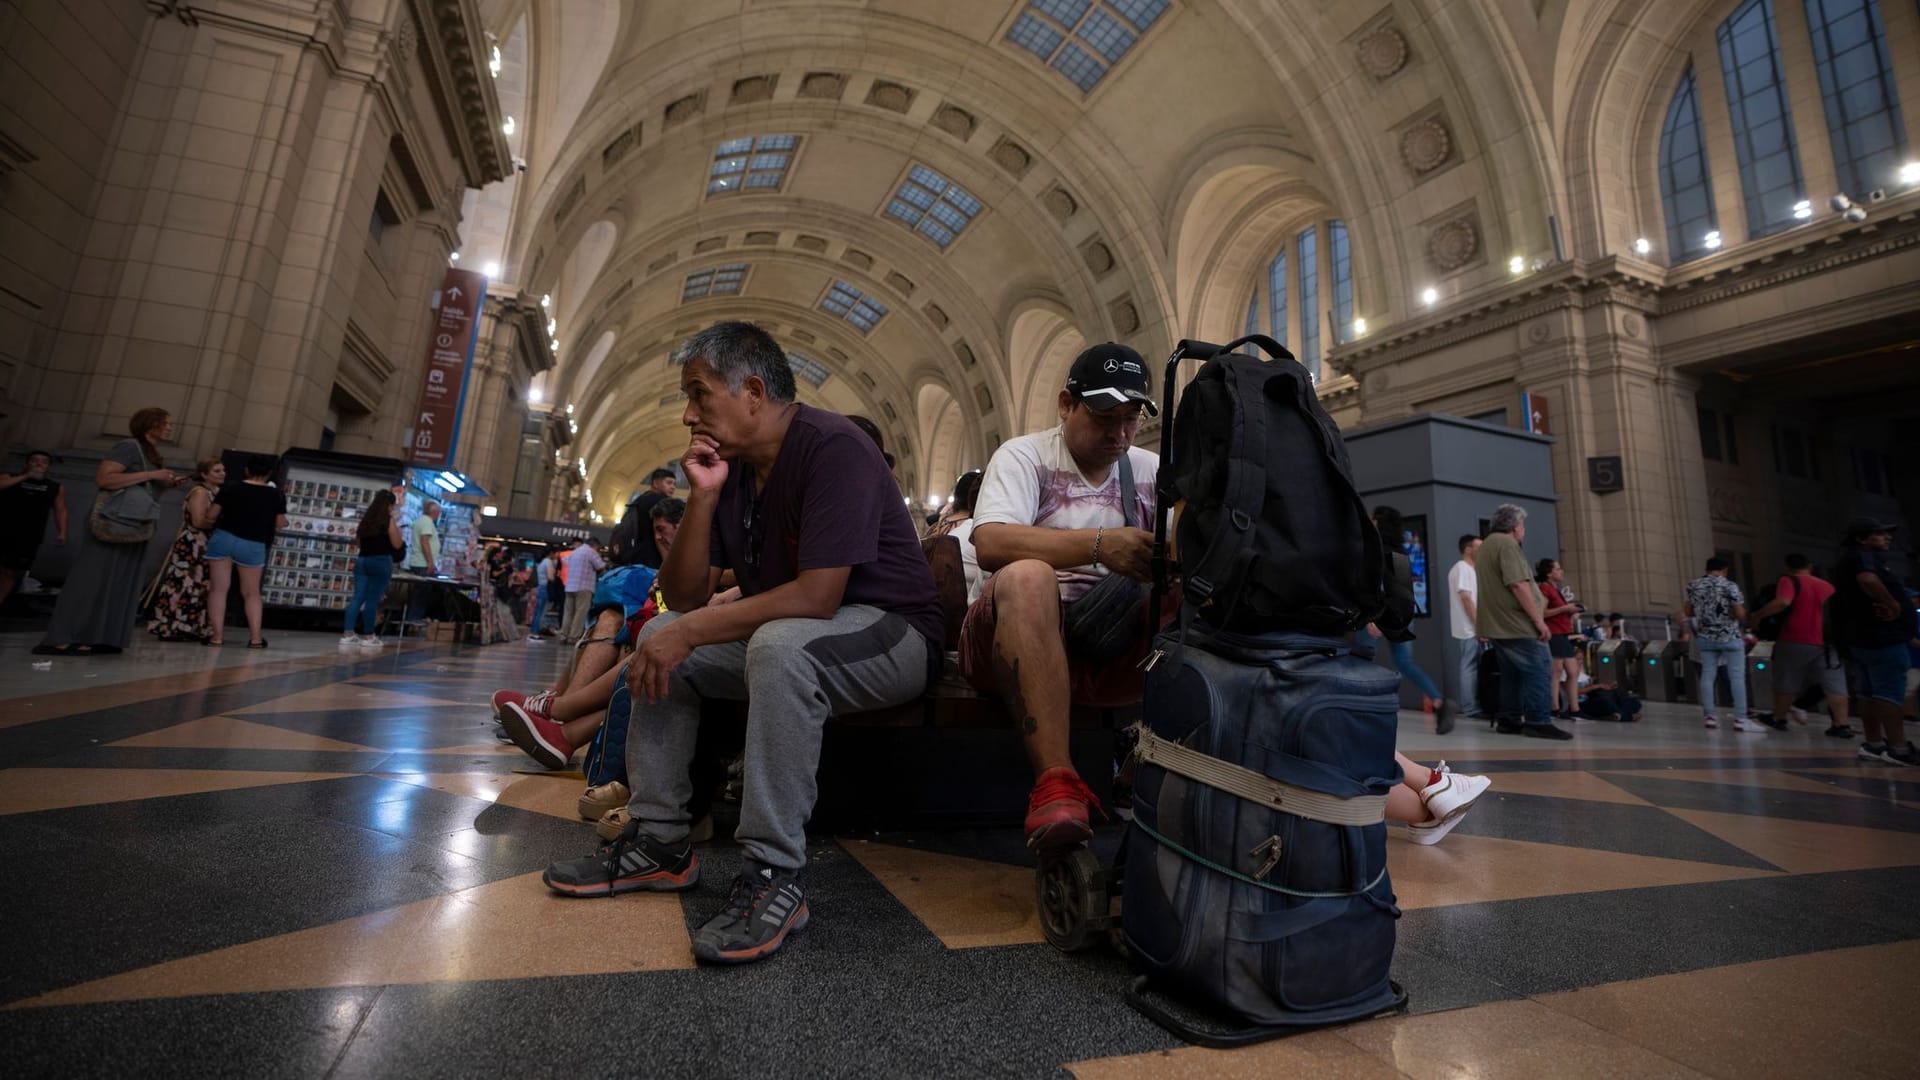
[(793, 674)]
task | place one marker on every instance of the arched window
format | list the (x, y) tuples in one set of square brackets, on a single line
[(1309, 354), (1295, 281), (1856, 79), (1684, 189), (1342, 281), (1762, 125)]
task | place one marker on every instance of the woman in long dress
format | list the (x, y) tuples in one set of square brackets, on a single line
[(101, 596), (178, 597)]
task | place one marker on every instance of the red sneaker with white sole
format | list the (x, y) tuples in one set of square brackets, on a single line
[(532, 730)]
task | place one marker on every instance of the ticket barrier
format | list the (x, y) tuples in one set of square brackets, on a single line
[(1760, 677), (1616, 662), (1664, 672)]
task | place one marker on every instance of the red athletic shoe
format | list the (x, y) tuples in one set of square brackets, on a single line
[(1057, 811), (532, 730)]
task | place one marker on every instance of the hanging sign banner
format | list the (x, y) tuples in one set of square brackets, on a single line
[(456, 328)]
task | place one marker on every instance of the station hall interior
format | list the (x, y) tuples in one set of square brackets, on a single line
[(1650, 271)]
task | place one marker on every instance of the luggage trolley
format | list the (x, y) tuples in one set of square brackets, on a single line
[(1073, 892)]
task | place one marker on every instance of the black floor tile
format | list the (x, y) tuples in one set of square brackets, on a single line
[(298, 1033), (1768, 802), (1602, 826), (1553, 943)]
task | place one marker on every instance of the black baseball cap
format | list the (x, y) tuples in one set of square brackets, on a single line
[(1110, 375), (1862, 527)]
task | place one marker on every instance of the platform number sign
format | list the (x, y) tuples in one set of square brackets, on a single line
[(1605, 475)]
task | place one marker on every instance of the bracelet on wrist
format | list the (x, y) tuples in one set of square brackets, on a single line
[(1097, 534)]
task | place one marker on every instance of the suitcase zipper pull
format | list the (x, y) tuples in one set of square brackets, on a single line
[(1147, 662), (1271, 848)]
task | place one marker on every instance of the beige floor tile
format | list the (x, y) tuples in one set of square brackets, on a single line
[(965, 902), (479, 933), (1804, 847), (1798, 1016), (232, 733), (1523, 1040), (1464, 869), (24, 791)]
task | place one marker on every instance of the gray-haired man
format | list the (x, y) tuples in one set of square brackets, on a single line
[(837, 614), (1510, 616)]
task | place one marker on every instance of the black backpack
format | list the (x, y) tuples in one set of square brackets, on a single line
[(1269, 519)]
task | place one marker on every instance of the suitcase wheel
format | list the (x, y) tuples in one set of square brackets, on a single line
[(1070, 891)]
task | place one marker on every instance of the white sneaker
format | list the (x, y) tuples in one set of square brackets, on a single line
[(1741, 723), (371, 642), (1712, 723), (349, 639), (1451, 795), (1799, 715)]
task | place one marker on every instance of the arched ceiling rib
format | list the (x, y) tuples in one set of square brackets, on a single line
[(1127, 213)]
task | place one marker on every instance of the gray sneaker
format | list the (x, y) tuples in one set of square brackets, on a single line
[(766, 906), (635, 862)]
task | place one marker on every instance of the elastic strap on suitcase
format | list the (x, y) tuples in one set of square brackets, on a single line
[(1257, 788)]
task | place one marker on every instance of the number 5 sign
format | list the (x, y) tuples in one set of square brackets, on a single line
[(1605, 475)]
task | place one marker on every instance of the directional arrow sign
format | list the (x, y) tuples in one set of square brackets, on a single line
[(443, 382)]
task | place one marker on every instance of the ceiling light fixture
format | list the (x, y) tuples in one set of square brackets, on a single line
[(1803, 209), (491, 270), (455, 257), (1359, 327), (1643, 246), (546, 300), (534, 395), (1910, 173), (1430, 296), (1517, 265), (1712, 240), (506, 126)]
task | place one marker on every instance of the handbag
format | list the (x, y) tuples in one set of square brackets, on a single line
[(125, 516), (1109, 618)]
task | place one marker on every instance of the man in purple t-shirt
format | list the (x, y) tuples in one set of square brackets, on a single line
[(837, 614)]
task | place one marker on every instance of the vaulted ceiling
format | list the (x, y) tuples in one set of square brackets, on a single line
[(1127, 186)]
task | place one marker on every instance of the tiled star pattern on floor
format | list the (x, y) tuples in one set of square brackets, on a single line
[(325, 863)]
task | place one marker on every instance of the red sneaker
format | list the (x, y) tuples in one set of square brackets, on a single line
[(1057, 811), (532, 730), (500, 699)]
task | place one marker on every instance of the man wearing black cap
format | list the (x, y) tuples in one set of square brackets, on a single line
[(633, 538), (1058, 512), (1873, 626)]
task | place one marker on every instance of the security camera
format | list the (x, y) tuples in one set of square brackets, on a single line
[(1839, 203), (519, 164), (1856, 214)]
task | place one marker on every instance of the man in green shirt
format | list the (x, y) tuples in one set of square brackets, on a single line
[(1511, 617)]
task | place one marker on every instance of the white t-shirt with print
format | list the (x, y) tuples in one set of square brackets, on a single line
[(1033, 480), (1463, 578), (969, 559)]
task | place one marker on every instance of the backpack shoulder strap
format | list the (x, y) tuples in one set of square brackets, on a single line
[(1245, 490), (1129, 512)]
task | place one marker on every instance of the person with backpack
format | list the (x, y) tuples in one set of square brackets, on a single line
[(1061, 520), (633, 538), (1873, 623), (1794, 620)]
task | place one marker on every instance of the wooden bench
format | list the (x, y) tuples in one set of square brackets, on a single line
[(953, 756)]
